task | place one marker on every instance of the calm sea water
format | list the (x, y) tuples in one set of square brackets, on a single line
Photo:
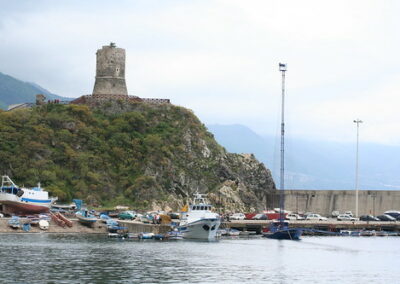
[(48, 258)]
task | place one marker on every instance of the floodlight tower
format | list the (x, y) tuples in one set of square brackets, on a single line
[(282, 69), (357, 121)]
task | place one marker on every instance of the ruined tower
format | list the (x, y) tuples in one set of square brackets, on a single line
[(110, 72)]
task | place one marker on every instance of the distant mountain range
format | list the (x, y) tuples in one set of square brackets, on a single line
[(317, 164), (14, 91)]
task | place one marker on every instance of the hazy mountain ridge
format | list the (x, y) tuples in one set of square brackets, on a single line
[(317, 164), (15, 91)]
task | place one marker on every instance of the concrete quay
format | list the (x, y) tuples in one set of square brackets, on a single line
[(330, 225), (139, 227)]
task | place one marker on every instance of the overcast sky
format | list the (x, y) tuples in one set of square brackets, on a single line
[(220, 58)]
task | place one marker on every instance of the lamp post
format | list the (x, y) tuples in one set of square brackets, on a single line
[(357, 121)]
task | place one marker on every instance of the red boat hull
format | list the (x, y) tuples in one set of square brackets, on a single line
[(10, 207)]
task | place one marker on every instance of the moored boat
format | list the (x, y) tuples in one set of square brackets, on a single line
[(16, 200), (198, 221), (279, 230), (174, 235)]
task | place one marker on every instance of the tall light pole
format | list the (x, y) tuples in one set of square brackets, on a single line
[(282, 69), (357, 121)]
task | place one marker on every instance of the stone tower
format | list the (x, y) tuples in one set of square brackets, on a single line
[(110, 72)]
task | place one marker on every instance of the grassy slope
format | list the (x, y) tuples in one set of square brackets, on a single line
[(132, 157)]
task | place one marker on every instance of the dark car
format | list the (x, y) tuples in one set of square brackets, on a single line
[(174, 215), (385, 217), (395, 214), (260, 217), (368, 218)]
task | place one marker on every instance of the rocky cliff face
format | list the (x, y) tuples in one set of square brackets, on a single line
[(146, 156)]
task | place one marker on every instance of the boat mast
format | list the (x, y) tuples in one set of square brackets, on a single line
[(282, 69)]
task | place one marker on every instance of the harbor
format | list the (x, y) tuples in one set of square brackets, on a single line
[(255, 226)]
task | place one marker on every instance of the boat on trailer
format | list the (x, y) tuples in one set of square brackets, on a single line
[(22, 201)]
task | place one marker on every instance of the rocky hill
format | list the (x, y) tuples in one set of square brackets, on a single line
[(145, 156)]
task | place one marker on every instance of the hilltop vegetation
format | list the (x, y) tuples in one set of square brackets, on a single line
[(137, 154)]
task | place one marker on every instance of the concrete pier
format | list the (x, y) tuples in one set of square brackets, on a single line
[(330, 225)]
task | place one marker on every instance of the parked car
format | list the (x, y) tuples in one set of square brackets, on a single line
[(1, 215), (335, 213), (386, 218), (368, 218), (316, 217), (249, 216), (260, 217), (293, 216), (237, 216), (346, 217), (349, 213), (127, 215), (393, 213)]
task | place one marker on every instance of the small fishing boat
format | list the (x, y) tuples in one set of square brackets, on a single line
[(174, 235), (34, 220), (104, 218), (26, 227), (233, 232), (146, 236), (44, 225), (159, 237), (381, 234), (85, 218), (349, 233), (367, 233), (14, 222), (279, 230)]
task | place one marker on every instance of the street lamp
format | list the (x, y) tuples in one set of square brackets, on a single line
[(357, 121)]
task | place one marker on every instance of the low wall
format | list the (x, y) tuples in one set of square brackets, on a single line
[(373, 202)]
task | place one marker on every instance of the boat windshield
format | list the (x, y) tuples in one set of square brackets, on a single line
[(10, 190)]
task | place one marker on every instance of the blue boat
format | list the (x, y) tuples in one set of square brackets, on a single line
[(104, 217), (14, 222), (85, 218), (280, 230), (26, 227)]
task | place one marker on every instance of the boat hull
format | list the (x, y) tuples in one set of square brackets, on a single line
[(87, 221), (285, 234), (205, 229), (21, 208)]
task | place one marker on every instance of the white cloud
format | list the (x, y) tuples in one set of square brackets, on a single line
[(220, 58)]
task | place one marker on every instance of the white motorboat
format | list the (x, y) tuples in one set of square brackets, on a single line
[(198, 221)]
